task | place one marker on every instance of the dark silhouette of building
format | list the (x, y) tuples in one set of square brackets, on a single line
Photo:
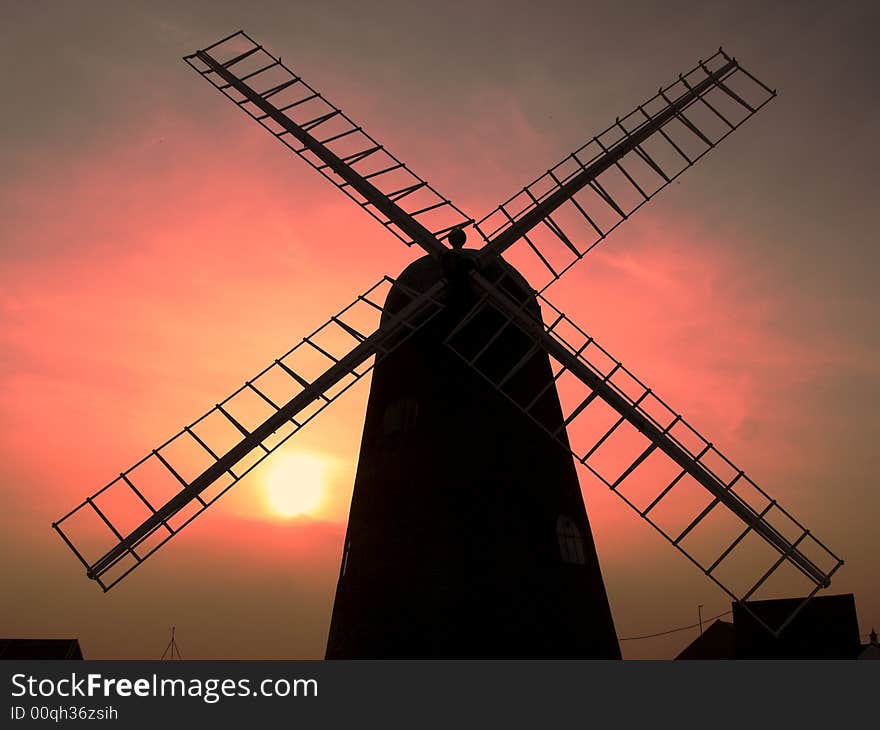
[(40, 649), (718, 641), (468, 535), (826, 628), (872, 649)]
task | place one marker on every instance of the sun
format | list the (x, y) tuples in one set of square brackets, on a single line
[(295, 485)]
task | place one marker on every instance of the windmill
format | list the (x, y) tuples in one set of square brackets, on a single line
[(468, 534)]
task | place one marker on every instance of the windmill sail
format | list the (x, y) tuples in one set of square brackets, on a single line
[(118, 527), (569, 209), (648, 455), (325, 137)]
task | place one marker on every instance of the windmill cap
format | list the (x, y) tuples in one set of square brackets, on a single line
[(426, 271)]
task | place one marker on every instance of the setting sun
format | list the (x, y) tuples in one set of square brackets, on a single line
[(295, 484)]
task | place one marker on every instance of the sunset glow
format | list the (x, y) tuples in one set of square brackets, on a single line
[(295, 485), (158, 248)]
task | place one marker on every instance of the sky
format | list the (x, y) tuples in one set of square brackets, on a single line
[(157, 248)]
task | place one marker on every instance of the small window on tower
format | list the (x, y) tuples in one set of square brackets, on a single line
[(571, 541), (400, 416)]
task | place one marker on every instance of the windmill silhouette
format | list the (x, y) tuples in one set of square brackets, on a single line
[(468, 534)]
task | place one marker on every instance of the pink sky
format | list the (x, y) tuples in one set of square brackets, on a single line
[(172, 249)]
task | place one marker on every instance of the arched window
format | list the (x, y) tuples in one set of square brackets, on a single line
[(571, 541)]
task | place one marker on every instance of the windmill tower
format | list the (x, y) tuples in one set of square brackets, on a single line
[(459, 545), (468, 534)]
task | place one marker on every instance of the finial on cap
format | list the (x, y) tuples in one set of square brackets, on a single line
[(457, 237)]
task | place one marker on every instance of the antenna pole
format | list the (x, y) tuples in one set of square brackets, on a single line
[(172, 647), (700, 616)]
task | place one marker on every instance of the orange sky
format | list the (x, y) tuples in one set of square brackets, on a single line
[(157, 248)]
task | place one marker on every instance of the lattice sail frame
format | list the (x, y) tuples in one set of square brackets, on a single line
[(615, 426), (105, 521), (265, 74), (727, 96)]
